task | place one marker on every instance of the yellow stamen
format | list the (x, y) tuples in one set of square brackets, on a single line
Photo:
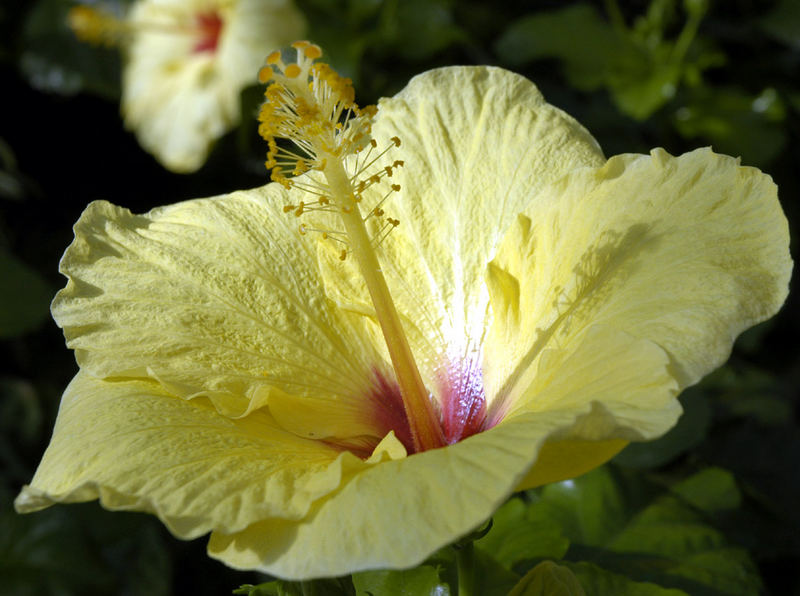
[(309, 104)]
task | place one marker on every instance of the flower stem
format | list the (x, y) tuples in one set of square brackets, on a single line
[(465, 563)]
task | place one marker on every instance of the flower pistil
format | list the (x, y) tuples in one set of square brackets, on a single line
[(312, 106)]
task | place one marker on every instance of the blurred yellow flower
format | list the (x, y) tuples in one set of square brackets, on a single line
[(186, 62), (242, 374)]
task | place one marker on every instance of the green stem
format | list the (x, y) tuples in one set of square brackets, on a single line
[(615, 16), (465, 562), (686, 37)]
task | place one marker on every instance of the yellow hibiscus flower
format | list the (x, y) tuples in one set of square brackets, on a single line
[(186, 62), (245, 372)]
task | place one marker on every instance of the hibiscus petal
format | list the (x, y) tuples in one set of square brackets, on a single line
[(441, 494), (133, 446), (624, 381), (220, 297), (478, 144), (178, 100), (681, 252)]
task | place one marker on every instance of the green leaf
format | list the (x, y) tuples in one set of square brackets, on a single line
[(419, 581), (548, 579), (622, 524), (265, 589), (81, 549), (515, 538), (640, 68), (599, 582), (710, 490), (48, 553), (783, 23), (576, 35), (491, 578), (589, 509), (764, 461), (21, 426), (25, 303), (685, 546), (750, 393), (12, 182), (418, 29), (640, 96), (689, 432), (336, 586), (736, 123)]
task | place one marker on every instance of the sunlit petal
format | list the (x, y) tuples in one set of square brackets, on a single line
[(478, 145), (682, 252), (219, 297), (133, 446), (397, 513)]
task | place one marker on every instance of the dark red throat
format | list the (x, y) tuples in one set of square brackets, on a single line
[(462, 398), (209, 26)]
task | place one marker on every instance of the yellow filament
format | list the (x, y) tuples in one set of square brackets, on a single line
[(425, 428), (311, 105)]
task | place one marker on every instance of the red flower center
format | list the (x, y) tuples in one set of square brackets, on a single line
[(461, 395), (209, 26)]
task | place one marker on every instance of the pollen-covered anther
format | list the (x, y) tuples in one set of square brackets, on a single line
[(311, 106), (292, 71), (300, 167), (396, 187)]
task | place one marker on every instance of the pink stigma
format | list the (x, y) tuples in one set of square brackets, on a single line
[(463, 401), (461, 395)]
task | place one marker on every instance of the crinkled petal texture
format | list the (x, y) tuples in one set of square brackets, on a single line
[(682, 252), (217, 297), (225, 358), (479, 144), (135, 446), (179, 99), (641, 265), (274, 501)]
